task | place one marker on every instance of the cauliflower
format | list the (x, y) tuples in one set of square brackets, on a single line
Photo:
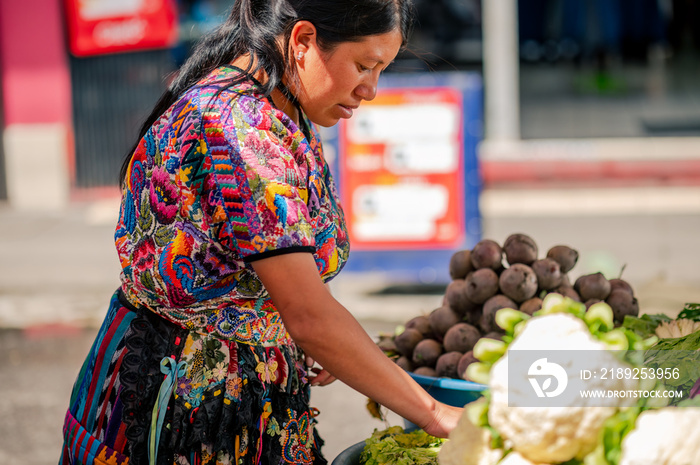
[(515, 458), (534, 408), (667, 436), (553, 434), (468, 445)]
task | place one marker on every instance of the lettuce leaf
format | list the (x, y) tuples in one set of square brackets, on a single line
[(681, 355), (644, 325), (691, 311), (394, 446)]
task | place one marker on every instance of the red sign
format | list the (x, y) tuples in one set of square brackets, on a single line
[(402, 173), (97, 27)]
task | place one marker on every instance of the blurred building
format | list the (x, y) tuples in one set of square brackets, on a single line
[(78, 78), (601, 90)]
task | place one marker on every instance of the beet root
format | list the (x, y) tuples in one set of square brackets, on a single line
[(442, 319), (518, 282), (387, 344), (460, 338), (592, 286), (426, 353), (617, 283), (405, 363), (622, 303), (472, 317), (530, 306), (466, 360), (460, 264), (568, 291), (422, 324), (487, 254), (488, 313), (481, 285), (494, 335), (520, 248), (548, 272), (564, 255), (426, 371), (407, 341), (447, 364), (456, 295)]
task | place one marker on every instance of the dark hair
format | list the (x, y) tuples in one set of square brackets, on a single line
[(254, 26)]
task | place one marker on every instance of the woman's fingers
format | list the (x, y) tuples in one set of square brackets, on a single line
[(321, 377), (317, 376)]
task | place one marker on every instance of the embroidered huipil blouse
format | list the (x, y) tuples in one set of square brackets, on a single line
[(224, 178)]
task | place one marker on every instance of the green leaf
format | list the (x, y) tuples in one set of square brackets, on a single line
[(163, 236), (644, 325), (393, 446), (691, 311), (614, 431), (145, 214)]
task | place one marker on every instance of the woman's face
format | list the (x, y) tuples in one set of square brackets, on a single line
[(334, 83)]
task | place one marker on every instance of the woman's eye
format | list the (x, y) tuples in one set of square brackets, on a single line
[(362, 68)]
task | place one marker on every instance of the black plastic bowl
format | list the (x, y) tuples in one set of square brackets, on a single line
[(350, 456)]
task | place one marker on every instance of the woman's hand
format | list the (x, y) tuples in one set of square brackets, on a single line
[(444, 420), (320, 376)]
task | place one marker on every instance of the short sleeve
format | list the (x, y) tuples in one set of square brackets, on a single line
[(263, 188)]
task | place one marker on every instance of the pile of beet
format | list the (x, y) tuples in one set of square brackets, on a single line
[(484, 280)]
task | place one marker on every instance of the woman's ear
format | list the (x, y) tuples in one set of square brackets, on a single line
[(302, 39)]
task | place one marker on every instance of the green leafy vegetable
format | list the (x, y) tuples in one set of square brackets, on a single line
[(394, 446), (690, 312), (614, 430), (679, 357), (644, 325)]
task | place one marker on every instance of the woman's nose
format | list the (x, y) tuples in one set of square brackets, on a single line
[(367, 90)]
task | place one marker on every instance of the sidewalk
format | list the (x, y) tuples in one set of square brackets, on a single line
[(62, 268)]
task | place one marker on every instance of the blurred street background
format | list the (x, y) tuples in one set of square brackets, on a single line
[(578, 124)]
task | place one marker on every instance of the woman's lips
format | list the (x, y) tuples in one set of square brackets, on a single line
[(347, 110)]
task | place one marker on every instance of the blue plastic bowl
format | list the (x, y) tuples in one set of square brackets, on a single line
[(455, 392)]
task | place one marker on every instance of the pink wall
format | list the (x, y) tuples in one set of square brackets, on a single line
[(34, 63)]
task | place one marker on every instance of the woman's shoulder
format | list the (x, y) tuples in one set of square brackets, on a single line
[(231, 78), (228, 91), (228, 99), (221, 86)]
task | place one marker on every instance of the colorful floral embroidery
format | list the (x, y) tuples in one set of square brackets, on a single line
[(296, 438), (273, 427), (233, 387), (184, 386), (230, 176), (267, 371)]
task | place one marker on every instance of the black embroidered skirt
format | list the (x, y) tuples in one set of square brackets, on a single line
[(153, 392)]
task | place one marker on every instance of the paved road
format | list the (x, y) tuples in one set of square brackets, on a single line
[(57, 273)]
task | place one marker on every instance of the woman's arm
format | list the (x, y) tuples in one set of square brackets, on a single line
[(329, 334)]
